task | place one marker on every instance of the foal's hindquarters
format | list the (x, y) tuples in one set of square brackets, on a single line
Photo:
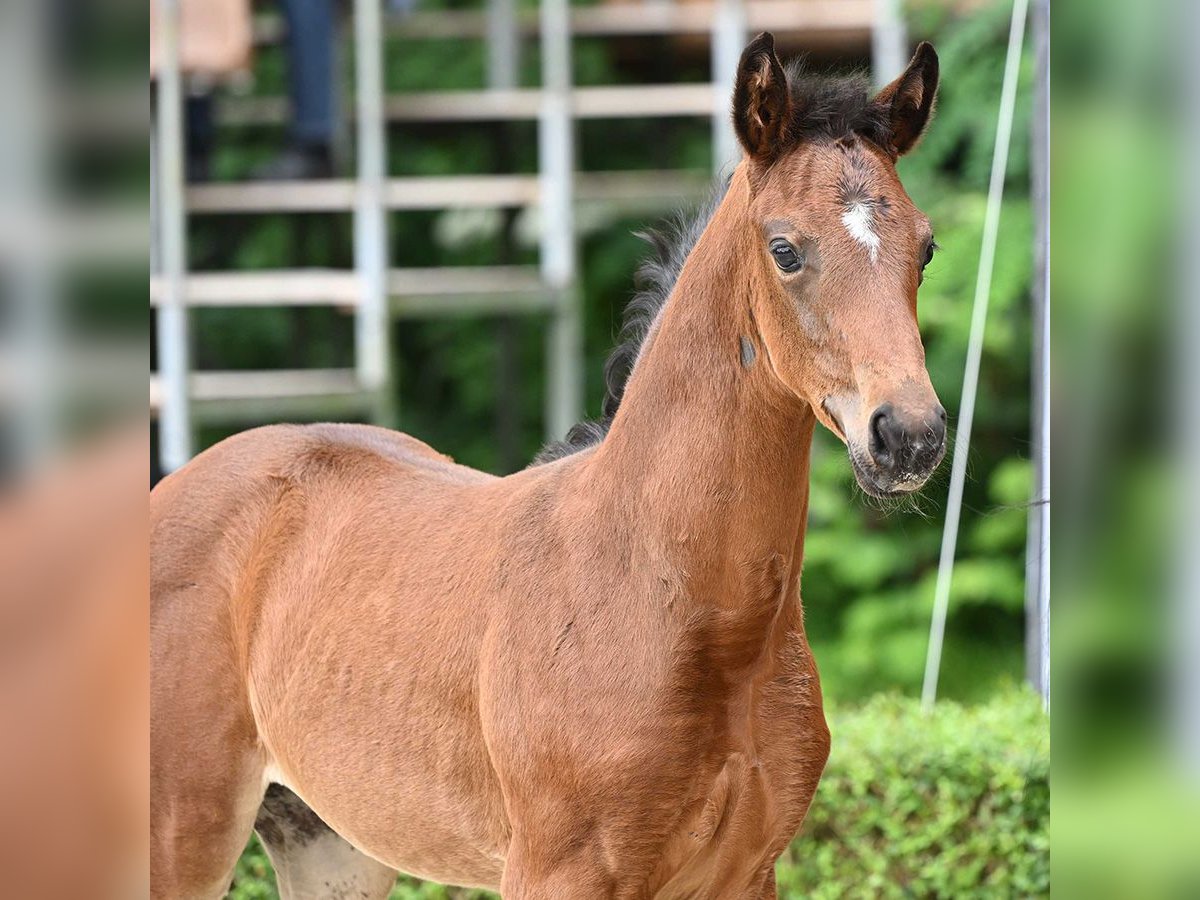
[(290, 643)]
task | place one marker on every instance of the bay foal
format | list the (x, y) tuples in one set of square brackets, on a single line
[(588, 679)]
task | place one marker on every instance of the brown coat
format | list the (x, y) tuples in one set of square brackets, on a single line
[(588, 679)]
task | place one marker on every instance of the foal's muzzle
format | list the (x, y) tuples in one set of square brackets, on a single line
[(903, 450)]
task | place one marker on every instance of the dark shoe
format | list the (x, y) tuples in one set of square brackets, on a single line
[(299, 162), (197, 168)]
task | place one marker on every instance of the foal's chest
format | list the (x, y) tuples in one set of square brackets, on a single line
[(761, 790)]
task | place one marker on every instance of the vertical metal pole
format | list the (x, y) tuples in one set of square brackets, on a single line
[(983, 288), (728, 40), (1037, 547), (889, 42), (174, 420), (564, 391), (503, 64), (1184, 611), (27, 256), (370, 216), (503, 44)]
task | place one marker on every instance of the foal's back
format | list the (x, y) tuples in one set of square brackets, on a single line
[(292, 565)]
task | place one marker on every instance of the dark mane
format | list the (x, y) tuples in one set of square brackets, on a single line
[(655, 278), (825, 109)]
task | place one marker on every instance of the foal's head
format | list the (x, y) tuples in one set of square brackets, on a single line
[(841, 249)]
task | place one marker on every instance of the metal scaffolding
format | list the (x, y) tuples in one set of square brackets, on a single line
[(174, 419), (556, 156), (378, 293)]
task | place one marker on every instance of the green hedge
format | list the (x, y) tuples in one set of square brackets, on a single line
[(955, 804)]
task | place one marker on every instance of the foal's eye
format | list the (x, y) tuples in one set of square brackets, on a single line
[(928, 258), (786, 256), (929, 251)]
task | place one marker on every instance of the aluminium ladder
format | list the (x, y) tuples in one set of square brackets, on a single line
[(377, 292)]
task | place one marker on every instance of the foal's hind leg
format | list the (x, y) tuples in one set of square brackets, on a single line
[(200, 819), (206, 762), (311, 860)]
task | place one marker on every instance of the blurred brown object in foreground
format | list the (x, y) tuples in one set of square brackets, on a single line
[(74, 716), (215, 37)]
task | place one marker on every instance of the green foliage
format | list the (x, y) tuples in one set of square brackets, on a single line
[(869, 572), (955, 804), (253, 879), (474, 387), (971, 53)]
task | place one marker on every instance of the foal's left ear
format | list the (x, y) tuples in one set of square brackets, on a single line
[(762, 102), (908, 101)]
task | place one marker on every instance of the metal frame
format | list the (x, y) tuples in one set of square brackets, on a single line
[(174, 421), (728, 40), (1037, 547), (556, 154), (979, 308), (889, 42), (370, 214), (378, 294), (503, 45), (821, 22)]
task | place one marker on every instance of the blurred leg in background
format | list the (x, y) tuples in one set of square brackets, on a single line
[(311, 37), (200, 133)]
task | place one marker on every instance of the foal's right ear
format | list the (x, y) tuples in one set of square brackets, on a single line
[(762, 102)]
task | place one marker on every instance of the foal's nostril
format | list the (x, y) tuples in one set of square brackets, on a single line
[(887, 437), (937, 428), (903, 446)]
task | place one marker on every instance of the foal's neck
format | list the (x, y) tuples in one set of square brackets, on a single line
[(710, 448)]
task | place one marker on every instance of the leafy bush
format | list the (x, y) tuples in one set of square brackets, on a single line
[(474, 387), (954, 804)]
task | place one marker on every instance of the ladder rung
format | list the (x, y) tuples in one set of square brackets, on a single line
[(437, 192), (293, 287), (604, 102), (810, 17), (264, 385), (325, 287), (818, 20), (337, 195), (449, 281), (420, 306), (460, 191), (645, 101), (328, 195), (596, 102), (273, 383), (642, 189)]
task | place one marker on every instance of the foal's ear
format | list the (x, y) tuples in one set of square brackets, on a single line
[(762, 102), (907, 103)]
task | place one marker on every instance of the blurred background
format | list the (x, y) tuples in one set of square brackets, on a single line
[(425, 215), (422, 214), (491, 348)]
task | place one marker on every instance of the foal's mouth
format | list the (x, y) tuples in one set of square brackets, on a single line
[(885, 486), (892, 455), (870, 483)]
